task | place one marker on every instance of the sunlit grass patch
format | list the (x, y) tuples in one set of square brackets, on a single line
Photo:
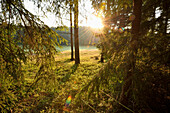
[(67, 79)]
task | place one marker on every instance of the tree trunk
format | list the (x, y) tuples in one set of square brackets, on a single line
[(108, 9), (165, 11), (124, 98), (153, 26), (71, 30), (102, 58), (76, 39)]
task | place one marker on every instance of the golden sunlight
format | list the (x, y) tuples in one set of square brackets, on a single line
[(95, 22)]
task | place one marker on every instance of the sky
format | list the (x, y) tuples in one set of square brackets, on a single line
[(86, 15), (50, 20)]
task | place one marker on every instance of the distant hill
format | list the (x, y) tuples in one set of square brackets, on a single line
[(86, 36)]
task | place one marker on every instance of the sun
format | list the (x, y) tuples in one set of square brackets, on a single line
[(95, 22)]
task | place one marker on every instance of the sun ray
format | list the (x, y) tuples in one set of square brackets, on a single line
[(84, 32)]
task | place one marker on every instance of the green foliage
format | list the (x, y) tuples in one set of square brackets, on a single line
[(151, 64), (25, 41)]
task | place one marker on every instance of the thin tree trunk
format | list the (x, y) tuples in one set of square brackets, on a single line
[(102, 56), (166, 23), (71, 30), (76, 39), (124, 98), (108, 9), (153, 26), (165, 10)]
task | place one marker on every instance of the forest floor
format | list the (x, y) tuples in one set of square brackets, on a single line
[(73, 77), (68, 81)]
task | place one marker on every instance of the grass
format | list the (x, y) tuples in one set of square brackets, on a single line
[(68, 80)]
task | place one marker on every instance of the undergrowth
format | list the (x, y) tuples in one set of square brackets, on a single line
[(49, 94)]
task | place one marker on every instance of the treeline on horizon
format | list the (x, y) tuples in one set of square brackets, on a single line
[(86, 35)]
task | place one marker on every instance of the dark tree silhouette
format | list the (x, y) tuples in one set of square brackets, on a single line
[(133, 49), (71, 30), (76, 38)]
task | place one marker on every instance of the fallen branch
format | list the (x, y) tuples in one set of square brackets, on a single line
[(117, 101)]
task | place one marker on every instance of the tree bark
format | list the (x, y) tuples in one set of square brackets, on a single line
[(102, 56), (76, 38), (71, 30), (124, 98), (108, 9), (153, 26), (165, 10)]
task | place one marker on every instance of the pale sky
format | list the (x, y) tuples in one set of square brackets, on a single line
[(50, 20), (85, 11)]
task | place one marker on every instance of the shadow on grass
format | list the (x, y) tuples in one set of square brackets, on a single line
[(67, 76), (68, 60), (65, 61)]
